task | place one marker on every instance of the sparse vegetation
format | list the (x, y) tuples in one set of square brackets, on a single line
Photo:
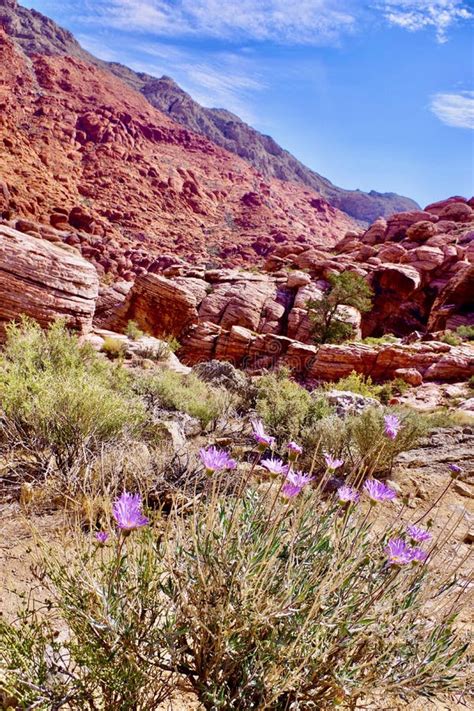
[(257, 601), (346, 289), (386, 339), (113, 348), (185, 393), (363, 385), (133, 331), (466, 333), (451, 338), (60, 399), (290, 591), (286, 407)]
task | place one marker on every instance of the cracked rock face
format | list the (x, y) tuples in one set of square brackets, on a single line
[(45, 281)]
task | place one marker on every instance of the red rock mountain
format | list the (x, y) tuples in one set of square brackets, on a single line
[(85, 153), (37, 34)]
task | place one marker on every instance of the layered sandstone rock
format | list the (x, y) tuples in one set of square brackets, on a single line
[(45, 281), (261, 321)]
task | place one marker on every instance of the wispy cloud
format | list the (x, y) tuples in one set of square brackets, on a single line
[(416, 15), (454, 109), (302, 22)]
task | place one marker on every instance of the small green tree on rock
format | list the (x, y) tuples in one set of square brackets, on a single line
[(347, 289)]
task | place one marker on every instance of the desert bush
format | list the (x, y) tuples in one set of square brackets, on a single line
[(59, 398), (465, 332), (113, 347), (133, 330), (114, 651), (285, 406), (346, 289), (380, 340), (361, 440), (185, 393), (273, 599), (364, 385), (451, 338), (173, 344)]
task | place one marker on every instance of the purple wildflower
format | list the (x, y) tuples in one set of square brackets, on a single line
[(455, 470), (216, 460), (127, 511), (294, 450), (378, 491), (101, 537), (263, 440), (398, 552), (418, 555), (295, 481), (418, 534), (275, 466), (331, 462), (347, 495), (392, 426)]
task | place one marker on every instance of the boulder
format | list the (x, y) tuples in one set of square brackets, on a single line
[(45, 281), (409, 375), (160, 306), (456, 298), (346, 402)]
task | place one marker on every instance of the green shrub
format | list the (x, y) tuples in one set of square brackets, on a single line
[(257, 603), (286, 407), (471, 382), (173, 343), (360, 439), (363, 385), (59, 398), (113, 347), (356, 383), (380, 340), (451, 338), (465, 332), (133, 331), (185, 393), (346, 289)]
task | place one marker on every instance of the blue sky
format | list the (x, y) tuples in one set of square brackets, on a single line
[(375, 94)]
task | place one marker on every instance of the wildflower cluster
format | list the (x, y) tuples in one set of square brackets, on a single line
[(243, 599), (400, 552)]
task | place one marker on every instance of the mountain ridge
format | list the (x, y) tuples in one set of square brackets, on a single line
[(36, 33)]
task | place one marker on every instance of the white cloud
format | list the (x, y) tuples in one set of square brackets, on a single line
[(416, 15), (454, 109), (302, 22)]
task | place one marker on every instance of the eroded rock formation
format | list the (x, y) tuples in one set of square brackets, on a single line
[(45, 281)]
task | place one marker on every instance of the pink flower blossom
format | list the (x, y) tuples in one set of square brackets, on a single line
[(418, 534), (295, 482), (331, 462), (263, 440), (216, 460), (347, 495), (101, 537), (398, 552), (294, 450), (392, 426), (127, 512), (377, 491), (275, 466)]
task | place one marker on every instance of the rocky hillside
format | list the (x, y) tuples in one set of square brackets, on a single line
[(228, 130), (36, 33), (87, 155)]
